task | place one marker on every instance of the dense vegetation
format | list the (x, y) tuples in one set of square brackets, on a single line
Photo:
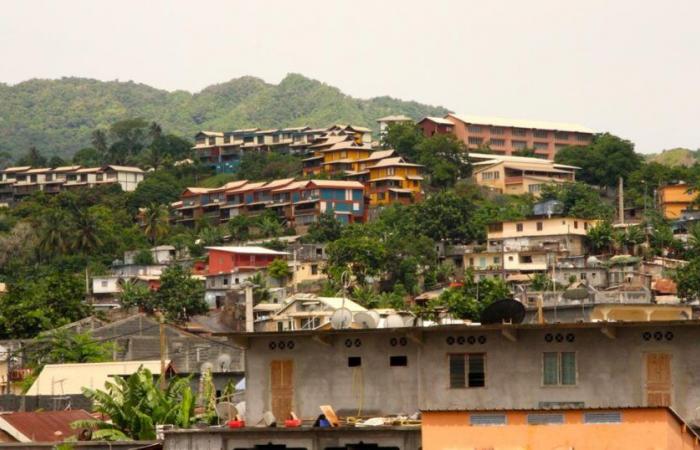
[(58, 116)]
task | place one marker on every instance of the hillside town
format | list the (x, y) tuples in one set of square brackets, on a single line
[(349, 225), (371, 292)]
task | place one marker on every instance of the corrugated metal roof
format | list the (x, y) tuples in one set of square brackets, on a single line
[(45, 426), (66, 379), (248, 250)]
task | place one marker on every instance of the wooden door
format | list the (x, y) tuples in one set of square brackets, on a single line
[(658, 375), (282, 388)]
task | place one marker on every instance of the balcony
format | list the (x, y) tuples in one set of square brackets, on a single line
[(514, 180)]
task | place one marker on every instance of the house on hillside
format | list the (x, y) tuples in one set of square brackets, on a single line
[(516, 175)]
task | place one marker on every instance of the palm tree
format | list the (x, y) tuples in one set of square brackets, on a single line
[(87, 231), (156, 219), (53, 234)]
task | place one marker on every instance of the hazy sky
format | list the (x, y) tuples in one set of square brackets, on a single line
[(628, 66)]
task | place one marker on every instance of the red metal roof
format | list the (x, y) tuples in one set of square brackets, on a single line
[(45, 426)]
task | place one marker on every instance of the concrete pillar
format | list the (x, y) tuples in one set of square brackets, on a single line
[(249, 324)]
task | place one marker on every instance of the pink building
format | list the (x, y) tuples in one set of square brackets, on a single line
[(504, 136)]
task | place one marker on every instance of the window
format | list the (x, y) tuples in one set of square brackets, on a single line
[(602, 417), (541, 146), (490, 175), (534, 188), (354, 361), (539, 226), (585, 225), (582, 137), (314, 269), (545, 419), (518, 227), (474, 129), (225, 281), (519, 132), (467, 370), (390, 171), (487, 419), (559, 368), (563, 135), (497, 130), (496, 260), (540, 133), (575, 224), (103, 283), (398, 361), (310, 323), (527, 259), (519, 145), (475, 140), (498, 142)]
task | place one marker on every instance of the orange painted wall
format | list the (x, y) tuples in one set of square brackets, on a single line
[(674, 199), (640, 429)]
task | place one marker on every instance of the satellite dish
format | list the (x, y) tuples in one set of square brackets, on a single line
[(501, 311), (593, 261), (207, 366), (224, 362), (394, 321), (226, 411), (367, 319), (341, 318)]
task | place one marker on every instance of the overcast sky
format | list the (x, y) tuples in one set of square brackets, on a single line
[(626, 66)]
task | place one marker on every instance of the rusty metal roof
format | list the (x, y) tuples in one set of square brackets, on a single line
[(46, 426)]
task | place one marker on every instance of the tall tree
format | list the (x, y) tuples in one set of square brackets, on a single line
[(156, 222)]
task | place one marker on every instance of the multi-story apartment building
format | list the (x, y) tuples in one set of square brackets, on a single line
[(224, 150), (19, 182), (505, 136), (674, 199), (394, 180), (529, 245), (297, 203), (516, 175)]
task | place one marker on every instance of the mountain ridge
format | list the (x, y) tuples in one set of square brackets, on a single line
[(58, 115)]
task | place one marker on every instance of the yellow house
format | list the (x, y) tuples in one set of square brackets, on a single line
[(343, 156), (394, 179), (676, 198), (517, 175)]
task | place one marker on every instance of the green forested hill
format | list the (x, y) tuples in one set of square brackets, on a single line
[(57, 116), (675, 157)]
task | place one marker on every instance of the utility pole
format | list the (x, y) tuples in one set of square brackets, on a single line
[(621, 201), (161, 329)]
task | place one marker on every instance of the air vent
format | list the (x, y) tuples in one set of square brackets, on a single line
[(602, 417), (545, 419), (487, 419)]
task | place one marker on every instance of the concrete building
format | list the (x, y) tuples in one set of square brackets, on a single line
[(385, 122), (515, 175), (306, 312), (675, 199), (505, 136), (570, 428), (461, 367), (17, 183), (529, 245), (230, 267)]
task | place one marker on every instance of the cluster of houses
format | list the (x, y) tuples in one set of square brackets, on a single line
[(601, 356), (19, 182)]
